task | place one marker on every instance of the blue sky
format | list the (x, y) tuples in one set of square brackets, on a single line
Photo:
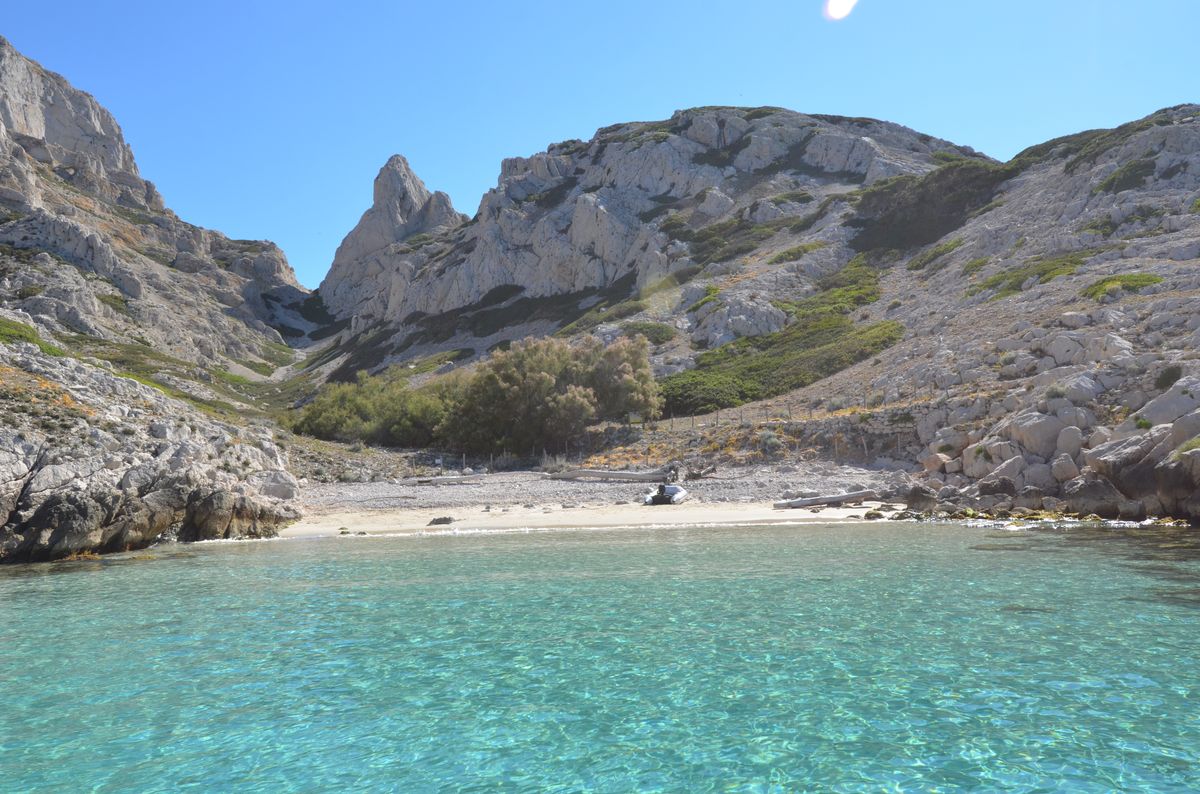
[(269, 120)]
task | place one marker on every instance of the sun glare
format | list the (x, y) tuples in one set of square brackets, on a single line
[(839, 9)]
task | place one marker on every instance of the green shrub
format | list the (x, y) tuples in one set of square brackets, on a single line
[(30, 291), (1129, 176), (701, 392), (921, 260), (711, 295), (974, 266), (820, 341), (12, 331), (723, 156), (536, 393), (1166, 379), (117, 303), (1142, 423), (656, 333), (1188, 446), (793, 197), (1055, 393), (1196, 206), (1104, 226), (1008, 282), (761, 113), (796, 252), (1129, 282), (769, 442), (910, 211), (545, 392)]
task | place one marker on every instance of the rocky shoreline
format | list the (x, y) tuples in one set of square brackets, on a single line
[(91, 462)]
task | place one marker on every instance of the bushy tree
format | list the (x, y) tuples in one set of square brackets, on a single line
[(539, 393), (545, 392)]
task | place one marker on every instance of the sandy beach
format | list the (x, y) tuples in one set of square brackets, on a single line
[(558, 517), (526, 500)]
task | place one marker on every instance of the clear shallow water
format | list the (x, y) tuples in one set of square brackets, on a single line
[(869, 658)]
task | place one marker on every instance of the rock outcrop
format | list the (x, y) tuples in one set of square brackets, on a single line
[(403, 208), (93, 462)]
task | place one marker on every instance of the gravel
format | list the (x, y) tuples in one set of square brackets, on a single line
[(748, 484)]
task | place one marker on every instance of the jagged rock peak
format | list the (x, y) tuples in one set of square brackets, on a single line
[(403, 207)]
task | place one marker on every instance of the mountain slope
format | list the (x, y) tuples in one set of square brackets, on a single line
[(1024, 333), (101, 286)]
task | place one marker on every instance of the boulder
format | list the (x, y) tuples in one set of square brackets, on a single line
[(1036, 432), (1092, 493), (1107, 347), (1182, 398), (1178, 484), (1030, 498), (1041, 476), (1129, 462), (1081, 388), (1069, 441), (997, 486), (1063, 468), (935, 462)]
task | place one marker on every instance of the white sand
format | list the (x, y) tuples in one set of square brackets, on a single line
[(556, 516)]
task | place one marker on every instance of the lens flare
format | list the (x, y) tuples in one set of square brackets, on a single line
[(839, 9)]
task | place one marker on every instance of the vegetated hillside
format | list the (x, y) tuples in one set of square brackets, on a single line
[(966, 309), (756, 247)]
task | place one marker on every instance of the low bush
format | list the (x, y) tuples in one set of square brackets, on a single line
[(796, 252), (655, 333), (1129, 176), (923, 259), (1166, 379), (711, 295), (12, 331), (1129, 282), (1045, 270), (974, 266)]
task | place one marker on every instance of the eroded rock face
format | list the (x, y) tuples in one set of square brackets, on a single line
[(402, 208), (59, 126), (89, 248), (93, 462)]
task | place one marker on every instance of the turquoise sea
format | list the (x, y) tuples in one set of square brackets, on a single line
[(882, 657)]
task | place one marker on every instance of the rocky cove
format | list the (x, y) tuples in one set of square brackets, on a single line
[(894, 312)]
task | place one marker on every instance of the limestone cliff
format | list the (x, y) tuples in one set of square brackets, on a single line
[(101, 286), (87, 248)]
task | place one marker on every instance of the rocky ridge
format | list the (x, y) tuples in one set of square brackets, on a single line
[(598, 220)]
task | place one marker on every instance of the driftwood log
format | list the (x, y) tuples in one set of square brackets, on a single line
[(835, 499), (458, 479)]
